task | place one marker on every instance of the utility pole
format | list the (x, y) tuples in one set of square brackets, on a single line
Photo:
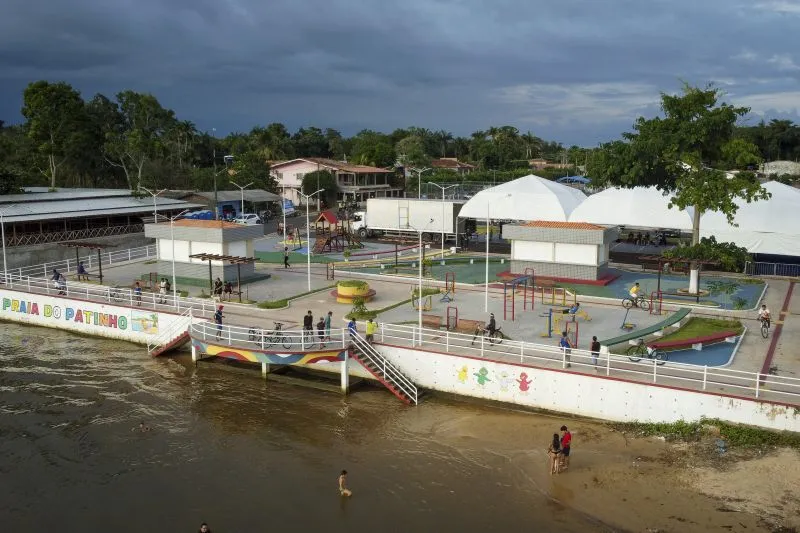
[(214, 152)]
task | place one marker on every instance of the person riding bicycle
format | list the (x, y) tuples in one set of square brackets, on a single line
[(634, 294), (491, 326), (764, 315)]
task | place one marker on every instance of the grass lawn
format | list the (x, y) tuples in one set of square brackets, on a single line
[(700, 327)]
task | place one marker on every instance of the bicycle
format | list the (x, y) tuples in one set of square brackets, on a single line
[(495, 337), (640, 302), (641, 350), (764, 327), (269, 338)]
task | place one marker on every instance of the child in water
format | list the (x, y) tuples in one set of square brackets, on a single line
[(343, 490)]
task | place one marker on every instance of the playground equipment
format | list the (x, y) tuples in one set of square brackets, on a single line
[(330, 271), (549, 316), (333, 235), (509, 303), (427, 302), (449, 291), (572, 329), (555, 296), (656, 302)]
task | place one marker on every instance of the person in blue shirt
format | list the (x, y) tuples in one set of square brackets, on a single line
[(218, 319), (82, 274), (351, 327), (565, 345)]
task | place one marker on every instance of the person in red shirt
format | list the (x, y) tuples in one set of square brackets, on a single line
[(566, 442)]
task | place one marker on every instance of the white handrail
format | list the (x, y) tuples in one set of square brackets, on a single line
[(390, 372), (142, 253), (166, 335), (259, 337)]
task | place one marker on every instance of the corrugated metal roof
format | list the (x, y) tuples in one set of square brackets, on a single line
[(41, 194), (87, 207), (561, 225), (252, 195)]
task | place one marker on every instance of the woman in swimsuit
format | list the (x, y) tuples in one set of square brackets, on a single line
[(553, 452)]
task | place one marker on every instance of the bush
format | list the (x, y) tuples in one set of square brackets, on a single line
[(731, 258), (357, 284)]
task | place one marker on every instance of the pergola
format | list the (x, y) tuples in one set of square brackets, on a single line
[(90, 245), (232, 259), (661, 260)]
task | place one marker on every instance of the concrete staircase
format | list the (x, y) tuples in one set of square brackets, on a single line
[(377, 365)]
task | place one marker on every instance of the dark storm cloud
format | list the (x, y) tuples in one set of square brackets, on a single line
[(578, 70)]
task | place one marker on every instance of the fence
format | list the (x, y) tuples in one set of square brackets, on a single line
[(758, 268), (258, 338), (66, 266), (712, 379), (27, 239), (110, 295)]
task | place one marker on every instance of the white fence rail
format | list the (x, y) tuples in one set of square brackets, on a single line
[(111, 295), (66, 266), (390, 372), (712, 379), (257, 337)]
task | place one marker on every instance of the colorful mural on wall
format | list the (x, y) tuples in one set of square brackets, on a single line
[(253, 356), (70, 314), (145, 322)]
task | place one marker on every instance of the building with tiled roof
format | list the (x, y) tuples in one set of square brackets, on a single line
[(452, 163), (355, 182)]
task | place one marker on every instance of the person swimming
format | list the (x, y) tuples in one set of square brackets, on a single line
[(141, 428)]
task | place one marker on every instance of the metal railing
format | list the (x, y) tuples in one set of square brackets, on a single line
[(705, 378), (758, 268), (260, 338), (390, 373), (176, 329), (66, 266), (124, 296), (26, 239)]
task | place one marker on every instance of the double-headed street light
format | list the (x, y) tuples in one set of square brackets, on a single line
[(3, 230), (308, 234), (419, 172), (241, 188), (172, 238), (488, 222), (443, 189)]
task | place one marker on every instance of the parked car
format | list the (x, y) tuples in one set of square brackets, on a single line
[(248, 219)]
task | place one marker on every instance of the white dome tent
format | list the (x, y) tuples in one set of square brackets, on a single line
[(764, 227), (528, 198), (638, 207)]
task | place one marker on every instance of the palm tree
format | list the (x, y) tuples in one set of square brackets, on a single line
[(444, 138)]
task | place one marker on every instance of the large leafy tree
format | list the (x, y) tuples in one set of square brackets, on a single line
[(321, 179), (411, 152), (373, 148), (53, 112), (251, 167), (681, 154)]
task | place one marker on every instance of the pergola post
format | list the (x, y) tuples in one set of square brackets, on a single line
[(100, 265), (239, 280), (210, 278)]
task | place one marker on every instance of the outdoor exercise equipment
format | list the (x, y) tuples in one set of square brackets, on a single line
[(427, 302), (449, 291), (572, 329), (549, 316), (656, 302), (452, 317), (625, 324), (510, 298), (330, 271)]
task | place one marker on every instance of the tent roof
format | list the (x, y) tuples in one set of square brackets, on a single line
[(640, 207), (527, 198), (779, 214)]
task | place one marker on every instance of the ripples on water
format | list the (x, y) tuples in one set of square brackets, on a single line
[(241, 454)]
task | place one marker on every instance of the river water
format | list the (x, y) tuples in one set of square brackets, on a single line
[(245, 455)]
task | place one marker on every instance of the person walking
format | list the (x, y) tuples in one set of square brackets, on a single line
[(328, 319), (218, 316), (566, 445), (218, 289), (553, 453), (352, 328), (343, 490), (286, 257), (162, 291), (137, 293), (321, 332), (372, 327), (595, 348), (308, 326), (566, 346)]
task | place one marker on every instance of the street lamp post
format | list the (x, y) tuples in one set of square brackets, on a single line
[(172, 239), (443, 189), (3, 230), (155, 210), (241, 188), (420, 172), (486, 285), (308, 235)]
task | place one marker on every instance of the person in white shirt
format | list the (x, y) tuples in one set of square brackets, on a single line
[(764, 314)]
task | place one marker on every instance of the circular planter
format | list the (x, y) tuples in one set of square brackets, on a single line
[(346, 294)]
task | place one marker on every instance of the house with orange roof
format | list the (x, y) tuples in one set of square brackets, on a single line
[(355, 182), (453, 164)]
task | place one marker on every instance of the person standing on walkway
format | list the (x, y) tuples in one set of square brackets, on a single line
[(218, 316), (566, 445), (286, 257), (308, 326), (352, 328), (321, 332), (137, 293), (328, 319), (162, 291), (218, 289), (372, 327), (595, 348), (566, 346)]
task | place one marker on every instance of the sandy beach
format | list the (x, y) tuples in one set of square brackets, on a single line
[(646, 484)]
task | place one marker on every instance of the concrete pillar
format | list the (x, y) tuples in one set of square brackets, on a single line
[(194, 354), (264, 370), (345, 373)]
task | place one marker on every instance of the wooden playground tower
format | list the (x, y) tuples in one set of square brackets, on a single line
[(333, 235)]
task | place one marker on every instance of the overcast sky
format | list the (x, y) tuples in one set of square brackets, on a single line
[(577, 71)]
